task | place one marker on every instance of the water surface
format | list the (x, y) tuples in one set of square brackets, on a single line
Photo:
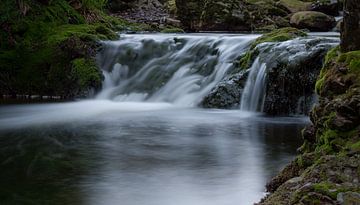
[(103, 153)]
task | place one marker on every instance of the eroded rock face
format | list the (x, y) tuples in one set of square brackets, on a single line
[(313, 20), (332, 181), (331, 176)]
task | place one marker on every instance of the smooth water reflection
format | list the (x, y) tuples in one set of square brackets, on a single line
[(98, 152)]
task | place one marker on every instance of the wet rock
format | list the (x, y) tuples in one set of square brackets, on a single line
[(291, 171), (227, 94), (331, 7), (309, 134), (313, 20), (292, 70), (348, 198)]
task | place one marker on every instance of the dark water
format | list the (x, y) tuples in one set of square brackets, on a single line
[(99, 152)]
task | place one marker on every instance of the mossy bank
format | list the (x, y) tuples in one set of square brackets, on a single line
[(327, 170), (48, 47)]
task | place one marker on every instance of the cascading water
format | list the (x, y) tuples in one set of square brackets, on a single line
[(293, 66), (178, 69), (253, 97)]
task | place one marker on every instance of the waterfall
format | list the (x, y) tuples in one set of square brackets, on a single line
[(185, 69), (179, 69), (253, 96)]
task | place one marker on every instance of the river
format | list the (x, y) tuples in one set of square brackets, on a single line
[(143, 140)]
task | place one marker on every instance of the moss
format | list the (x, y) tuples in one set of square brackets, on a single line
[(83, 31), (325, 188), (352, 59), (330, 57), (324, 141), (278, 35), (295, 5), (42, 38), (86, 73)]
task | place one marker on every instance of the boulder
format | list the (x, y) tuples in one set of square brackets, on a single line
[(226, 94), (330, 7), (294, 5), (292, 70), (313, 20)]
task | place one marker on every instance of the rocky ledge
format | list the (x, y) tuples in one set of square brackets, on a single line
[(327, 170)]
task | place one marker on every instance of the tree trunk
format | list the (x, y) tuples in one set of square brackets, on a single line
[(350, 28)]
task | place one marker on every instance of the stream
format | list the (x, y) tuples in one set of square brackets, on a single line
[(143, 139)]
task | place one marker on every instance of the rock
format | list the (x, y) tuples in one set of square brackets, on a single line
[(295, 5), (225, 15), (189, 13), (290, 83), (342, 123), (227, 94), (231, 15), (350, 30), (312, 20), (348, 198), (295, 180), (330, 7), (291, 171), (309, 134), (172, 22)]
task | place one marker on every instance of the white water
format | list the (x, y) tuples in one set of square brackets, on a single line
[(253, 96), (140, 146), (179, 69)]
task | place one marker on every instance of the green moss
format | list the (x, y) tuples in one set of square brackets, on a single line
[(43, 39), (352, 59), (83, 31), (324, 141), (330, 57), (249, 57), (86, 73), (279, 35), (295, 5), (326, 188)]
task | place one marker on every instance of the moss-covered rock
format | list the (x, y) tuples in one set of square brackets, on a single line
[(232, 15), (295, 5), (172, 30), (40, 39), (332, 176), (313, 20), (278, 35)]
